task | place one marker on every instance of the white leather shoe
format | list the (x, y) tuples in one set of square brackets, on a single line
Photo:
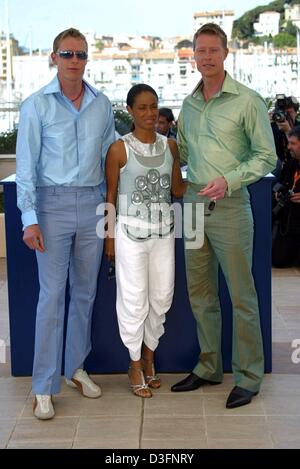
[(84, 384), (42, 407)]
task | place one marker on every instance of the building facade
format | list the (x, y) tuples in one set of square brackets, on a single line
[(268, 24), (292, 13), (14, 50), (223, 18)]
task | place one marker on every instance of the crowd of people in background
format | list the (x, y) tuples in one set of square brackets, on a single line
[(286, 198)]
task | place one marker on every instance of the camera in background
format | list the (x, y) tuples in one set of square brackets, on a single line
[(283, 196), (283, 103)]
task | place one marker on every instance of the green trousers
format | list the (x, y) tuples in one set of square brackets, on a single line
[(228, 241)]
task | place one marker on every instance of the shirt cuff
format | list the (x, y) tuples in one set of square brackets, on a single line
[(233, 181), (29, 218)]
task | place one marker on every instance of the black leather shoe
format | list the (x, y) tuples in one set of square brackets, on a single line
[(238, 397), (190, 383)]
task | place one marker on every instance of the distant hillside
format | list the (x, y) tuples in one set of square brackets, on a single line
[(243, 27)]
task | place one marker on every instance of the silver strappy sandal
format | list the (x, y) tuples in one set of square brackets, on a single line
[(141, 389), (152, 380)]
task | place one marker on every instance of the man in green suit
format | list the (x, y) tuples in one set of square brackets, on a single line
[(225, 137)]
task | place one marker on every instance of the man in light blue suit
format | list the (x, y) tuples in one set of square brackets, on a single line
[(64, 132)]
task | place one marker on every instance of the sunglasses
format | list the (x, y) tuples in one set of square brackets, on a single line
[(69, 54)]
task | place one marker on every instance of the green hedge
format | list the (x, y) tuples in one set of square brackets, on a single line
[(123, 121), (8, 142)]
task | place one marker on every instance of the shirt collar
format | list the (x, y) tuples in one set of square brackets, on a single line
[(229, 86), (54, 87)]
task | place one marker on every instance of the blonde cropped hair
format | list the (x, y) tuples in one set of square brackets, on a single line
[(71, 32), (212, 29)]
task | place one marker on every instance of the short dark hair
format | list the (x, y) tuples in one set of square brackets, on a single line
[(71, 32), (138, 89), (167, 113), (212, 29), (292, 102), (295, 132)]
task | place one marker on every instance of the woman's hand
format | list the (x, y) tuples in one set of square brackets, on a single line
[(109, 248)]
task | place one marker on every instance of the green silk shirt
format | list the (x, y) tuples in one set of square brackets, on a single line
[(230, 135)]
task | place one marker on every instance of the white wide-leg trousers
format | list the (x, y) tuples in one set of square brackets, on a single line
[(145, 284)]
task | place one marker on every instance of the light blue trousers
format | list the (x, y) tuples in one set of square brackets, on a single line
[(67, 218)]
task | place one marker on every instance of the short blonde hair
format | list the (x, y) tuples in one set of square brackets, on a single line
[(212, 29), (71, 32)]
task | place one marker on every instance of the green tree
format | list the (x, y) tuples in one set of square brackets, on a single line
[(261, 40), (8, 142), (290, 28), (99, 45), (284, 40), (123, 121), (243, 27)]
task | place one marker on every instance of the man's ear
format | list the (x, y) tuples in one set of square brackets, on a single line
[(53, 58)]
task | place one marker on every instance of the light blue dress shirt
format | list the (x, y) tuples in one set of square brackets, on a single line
[(60, 145)]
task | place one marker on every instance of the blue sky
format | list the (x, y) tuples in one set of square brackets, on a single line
[(45, 19)]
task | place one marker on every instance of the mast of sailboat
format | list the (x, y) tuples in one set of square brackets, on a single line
[(298, 59), (8, 61)]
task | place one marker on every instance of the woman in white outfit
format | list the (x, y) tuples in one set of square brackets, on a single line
[(142, 169)]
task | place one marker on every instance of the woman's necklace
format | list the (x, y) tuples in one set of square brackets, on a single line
[(81, 91)]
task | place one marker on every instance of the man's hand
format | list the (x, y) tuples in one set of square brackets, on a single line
[(284, 126), (296, 198), (215, 189), (33, 238)]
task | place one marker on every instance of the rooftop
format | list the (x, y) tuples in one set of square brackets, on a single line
[(207, 14)]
